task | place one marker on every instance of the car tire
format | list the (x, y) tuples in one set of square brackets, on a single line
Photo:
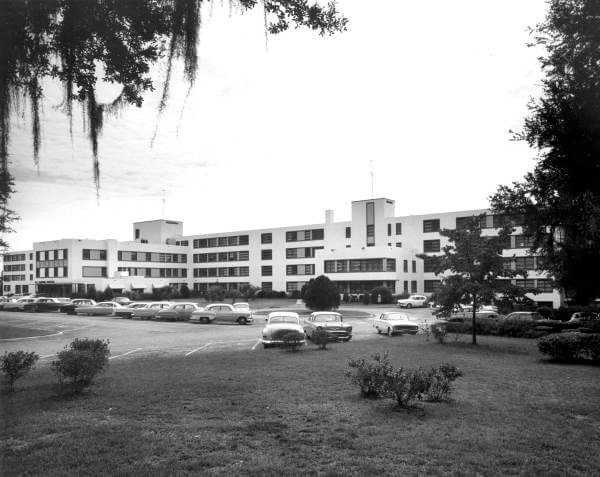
[(409, 305), (378, 330), (266, 346), (242, 321), (389, 332), (204, 320)]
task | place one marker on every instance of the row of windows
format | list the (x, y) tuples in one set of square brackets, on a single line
[(18, 288), (230, 286), (51, 272), (19, 257), (302, 235), (155, 272), (360, 265), (92, 254), (240, 256), (541, 285), (182, 243), (125, 256), (221, 272), (44, 255), (398, 229), (232, 241), (308, 269), (302, 252), (523, 263), (17, 267), (413, 286), (294, 286), (405, 266), (14, 278), (51, 263)]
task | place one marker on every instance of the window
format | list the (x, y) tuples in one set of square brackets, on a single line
[(300, 235), (431, 225), (414, 266), (544, 286), (431, 286), (431, 245), (525, 263), (266, 254), (389, 229), (294, 286), (523, 241), (398, 228), (266, 286), (93, 272), (137, 234), (91, 254), (429, 264), (391, 265), (266, 238), (405, 266), (413, 286), (405, 286), (370, 217), (266, 270), (529, 284), (348, 232), (399, 244)]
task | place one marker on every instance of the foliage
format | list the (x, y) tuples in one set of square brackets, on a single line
[(185, 291), (439, 332), (439, 382), (16, 364), (91, 293), (406, 385), (293, 340), (370, 377), (321, 294), (216, 293), (559, 202), (107, 294), (248, 291), (80, 362), (571, 346), (472, 266), (320, 338), (384, 292), (270, 294)]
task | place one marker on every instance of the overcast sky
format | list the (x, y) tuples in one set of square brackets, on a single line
[(273, 136)]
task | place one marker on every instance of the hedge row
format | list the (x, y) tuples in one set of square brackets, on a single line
[(571, 346), (520, 329)]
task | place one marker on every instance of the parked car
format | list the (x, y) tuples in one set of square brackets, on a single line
[(178, 312), (122, 300), (332, 322), (150, 311), (525, 316), (127, 311), (17, 305), (46, 304), (222, 312), (583, 316), (104, 308), (69, 308), (279, 324), (413, 301), (395, 323)]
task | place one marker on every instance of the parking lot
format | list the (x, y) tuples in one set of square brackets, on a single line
[(48, 333)]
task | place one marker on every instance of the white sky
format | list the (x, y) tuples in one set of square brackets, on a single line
[(274, 136)]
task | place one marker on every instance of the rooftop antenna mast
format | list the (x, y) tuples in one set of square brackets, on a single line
[(372, 174), (163, 200)]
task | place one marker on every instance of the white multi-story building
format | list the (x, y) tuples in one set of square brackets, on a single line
[(374, 248)]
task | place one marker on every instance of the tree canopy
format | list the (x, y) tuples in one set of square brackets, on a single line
[(80, 43), (559, 201), (320, 294)]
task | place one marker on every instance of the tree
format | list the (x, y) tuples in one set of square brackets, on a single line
[(185, 291), (108, 294), (321, 294), (472, 265), (559, 202), (17, 364), (82, 42)]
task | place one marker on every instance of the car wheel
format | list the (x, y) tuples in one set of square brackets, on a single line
[(266, 346), (242, 320), (409, 305), (389, 332), (204, 320), (378, 330)]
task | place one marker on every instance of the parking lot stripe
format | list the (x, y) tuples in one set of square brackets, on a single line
[(125, 354), (198, 349), (255, 345)]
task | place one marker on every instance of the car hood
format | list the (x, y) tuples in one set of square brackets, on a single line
[(332, 324), (283, 326), (402, 323)]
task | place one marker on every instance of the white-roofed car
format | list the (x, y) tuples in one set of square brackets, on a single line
[(242, 305), (17, 305), (394, 323), (413, 301), (69, 308), (222, 312), (330, 321), (104, 308), (127, 310), (150, 311), (279, 324), (180, 311)]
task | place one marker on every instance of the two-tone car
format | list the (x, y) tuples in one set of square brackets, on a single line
[(279, 324), (18, 304), (127, 311), (69, 308), (104, 308), (46, 304), (413, 301), (330, 321), (181, 311), (150, 311), (222, 313), (393, 323)]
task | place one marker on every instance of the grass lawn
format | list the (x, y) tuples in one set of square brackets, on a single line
[(280, 413)]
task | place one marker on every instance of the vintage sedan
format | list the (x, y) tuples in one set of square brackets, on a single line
[(127, 310), (242, 306), (413, 301), (223, 313), (17, 305), (150, 310), (332, 322), (69, 308), (104, 308), (396, 324), (45, 304), (279, 324), (178, 312)]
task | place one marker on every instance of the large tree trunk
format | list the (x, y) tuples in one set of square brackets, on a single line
[(473, 321)]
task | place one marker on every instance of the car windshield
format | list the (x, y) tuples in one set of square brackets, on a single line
[(397, 316), (283, 319), (326, 318), (241, 305)]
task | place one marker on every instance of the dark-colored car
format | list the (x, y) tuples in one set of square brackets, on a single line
[(46, 304), (69, 308)]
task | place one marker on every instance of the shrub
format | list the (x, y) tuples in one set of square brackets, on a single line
[(546, 312), (439, 382), (439, 332), (80, 362), (571, 346), (320, 338), (185, 291), (293, 340), (406, 385), (370, 377), (321, 294), (384, 292), (17, 364)]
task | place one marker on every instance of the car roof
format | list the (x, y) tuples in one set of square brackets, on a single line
[(325, 313), (284, 313), (219, 304)]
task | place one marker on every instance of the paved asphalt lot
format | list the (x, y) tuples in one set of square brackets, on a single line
[(133, 338)]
